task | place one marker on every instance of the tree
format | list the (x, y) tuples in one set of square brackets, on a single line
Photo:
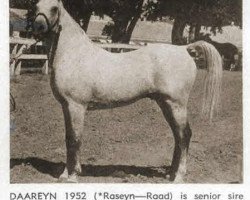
[(196, 13), (124, 13)]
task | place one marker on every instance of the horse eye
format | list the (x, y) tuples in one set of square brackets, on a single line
[(54, 9)]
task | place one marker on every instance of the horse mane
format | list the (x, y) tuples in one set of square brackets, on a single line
[(69, 20)]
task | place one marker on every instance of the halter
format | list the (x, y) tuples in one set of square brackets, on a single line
[(50, 27)]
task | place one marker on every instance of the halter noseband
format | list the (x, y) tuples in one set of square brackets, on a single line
[(50, 27)]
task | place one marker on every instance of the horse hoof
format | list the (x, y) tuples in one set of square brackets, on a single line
[(174, 178), (72, 179), (64, 176), (178, 180), (62, 179)]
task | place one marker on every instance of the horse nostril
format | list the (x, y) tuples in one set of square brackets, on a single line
[(41, 27)]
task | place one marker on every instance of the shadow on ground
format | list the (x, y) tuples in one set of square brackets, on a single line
[(56, 169)]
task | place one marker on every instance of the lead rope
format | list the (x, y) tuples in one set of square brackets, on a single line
[(53, 47)]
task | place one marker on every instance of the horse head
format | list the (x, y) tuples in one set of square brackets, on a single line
[(47, 18)]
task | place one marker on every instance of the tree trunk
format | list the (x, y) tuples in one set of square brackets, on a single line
[(197, 32), (177, 32), (86, 20), (119, 31), (123, 28), (191, 34), (132, 23), (130, 27), (194, 33)]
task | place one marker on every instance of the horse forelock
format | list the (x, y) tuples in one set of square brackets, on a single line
[(45, 6)]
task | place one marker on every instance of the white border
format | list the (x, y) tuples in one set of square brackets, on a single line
[(6, 188), (246, 90), (4, 99)]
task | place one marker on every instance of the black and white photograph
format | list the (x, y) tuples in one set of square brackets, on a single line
[(125, 92)]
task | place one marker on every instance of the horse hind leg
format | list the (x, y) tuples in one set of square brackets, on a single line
[(74, 122), (176, 115)]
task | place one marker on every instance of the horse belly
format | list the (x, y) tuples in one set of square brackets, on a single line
[(123, 86)]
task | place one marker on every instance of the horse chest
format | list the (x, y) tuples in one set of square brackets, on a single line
[(71, 85)]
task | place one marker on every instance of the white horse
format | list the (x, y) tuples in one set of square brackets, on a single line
[(85, 76)]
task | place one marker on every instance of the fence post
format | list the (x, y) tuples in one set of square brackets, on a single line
[(13, 60), (18, 67), (45, 69), (19, 62)]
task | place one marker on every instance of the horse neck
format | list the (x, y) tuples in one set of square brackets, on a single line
[(70, 39), (72, 36)]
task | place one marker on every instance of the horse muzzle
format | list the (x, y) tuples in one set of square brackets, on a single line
[(40, 26)]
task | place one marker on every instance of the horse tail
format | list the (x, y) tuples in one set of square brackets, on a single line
[(213, 78)]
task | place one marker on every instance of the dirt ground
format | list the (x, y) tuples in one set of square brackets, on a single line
[(128, 144)]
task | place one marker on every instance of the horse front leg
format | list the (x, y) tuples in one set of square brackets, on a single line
[(74, 123), (176, 115)]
